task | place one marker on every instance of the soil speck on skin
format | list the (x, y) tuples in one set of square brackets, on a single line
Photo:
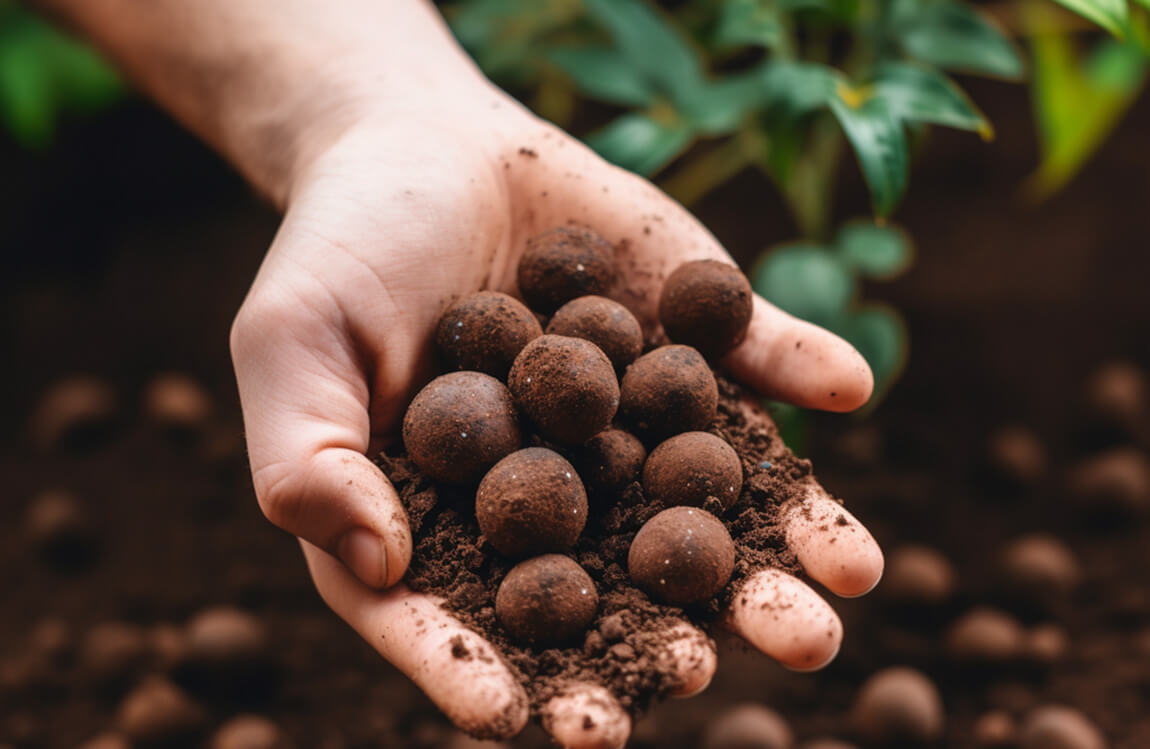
[(530, 153)]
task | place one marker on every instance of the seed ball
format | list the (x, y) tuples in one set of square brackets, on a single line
[(178, 404), (106, 741), (546, 600), (898, 704), (157, 712), (690, 467), (1046, 644), (1058, 727), (995, 729), (748, 727), (985, 635), (918, 575), (249, 732), (531, 502), (606, 323), (668, 391), (682, 555), (76, 413), (1017, 455), (1039, 564), (484, 332), (566, 386), (225, 636), (58, 526), (1116, 394), (706, 304), (459, 425), (611, 461), (1117, 481), (112, 650), (563, 264)]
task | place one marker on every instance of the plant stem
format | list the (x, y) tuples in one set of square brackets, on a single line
[(810, 191)]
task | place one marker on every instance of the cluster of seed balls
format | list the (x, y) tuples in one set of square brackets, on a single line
[(564, 385)]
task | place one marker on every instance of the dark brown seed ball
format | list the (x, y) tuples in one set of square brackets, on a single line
[(112, 650), (563, 264), (706, 304), (606, 323), (75, 413), (918, 575), (226, 636), (531, 502), (1017, 454), (567, 386), (611, 461), (690, 467), (994, 729), (1039, 565), (898, 705), (159, 712), (546, 600), (1058, 727), (985, 635), (459, 425), (682, 555), (1116, 481), (667, 391), (748, 726), (484, 332)]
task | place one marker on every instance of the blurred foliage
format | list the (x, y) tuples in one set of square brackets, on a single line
[(703, 89), (45, 75)]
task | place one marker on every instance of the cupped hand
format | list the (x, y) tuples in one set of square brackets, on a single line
[(392, 220)]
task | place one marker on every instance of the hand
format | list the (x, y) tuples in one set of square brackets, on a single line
[(390, 222)]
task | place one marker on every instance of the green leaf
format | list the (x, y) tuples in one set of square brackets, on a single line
[(916, 93), (604, 73), (793, 89), (749, 22), (876, 251), (82, 79), (793, 423), (807, 281), (720, 106), (27, 102), (640, 143), (879, 143), (1111, 15), (651, 44), (879, 334), (954, 36)]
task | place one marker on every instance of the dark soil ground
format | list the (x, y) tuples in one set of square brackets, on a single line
[(127, 249)]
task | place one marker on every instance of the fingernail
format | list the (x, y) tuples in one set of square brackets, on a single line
[(363, 553)]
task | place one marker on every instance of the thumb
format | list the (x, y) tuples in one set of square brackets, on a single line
[(305, 407)]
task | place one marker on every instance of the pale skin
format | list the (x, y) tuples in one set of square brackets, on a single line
[(406, 180)]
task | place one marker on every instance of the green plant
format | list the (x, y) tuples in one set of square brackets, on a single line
[(45, 75)]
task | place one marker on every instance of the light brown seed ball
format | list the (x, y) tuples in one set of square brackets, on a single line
[(564, 264), (112, 649), (1017, 454), (1039, 564), (158, 711), (1115, 481), (917, 575), (566, 386), (690, 467), (224, 635), (985, 635), (668, 391), (177, 402), (706, 304), (994, 729), (681, 556), (611, 461), (74, 413), (484, 332), (1116, 394), (604, 322), (531, 502), (249, 732), (748, 726), (459, 425), (1058, 727), (898, 704), (546, 600), (1046, 644)]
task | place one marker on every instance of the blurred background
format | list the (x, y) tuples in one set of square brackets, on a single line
[(998, 287)]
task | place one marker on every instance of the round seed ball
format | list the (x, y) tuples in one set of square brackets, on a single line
[(1046, 644), (898, 704), (682, 555), (566, 386), (918, 575), (249, 732), (484, 332), (667, 391), (1039, 564), (995, 729), (706, 304), (112, 650), (546, 600), (604, 322), (531, 502), (690, 467), (1116, 394), (1057, 727), (75, 413), (563, 264), (985, 635), (58, 525), (177, 403), (459, 425), (158, 711), (748, 727), (1116, 481), (224, 635), (1017, 454), (611, 460)]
